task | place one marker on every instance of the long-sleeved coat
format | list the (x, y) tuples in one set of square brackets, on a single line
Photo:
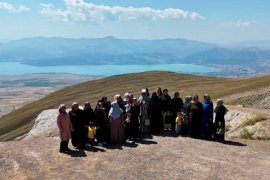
[(64, 125), (194, 113)]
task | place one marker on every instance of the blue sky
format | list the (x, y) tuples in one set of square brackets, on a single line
[(218, 21)]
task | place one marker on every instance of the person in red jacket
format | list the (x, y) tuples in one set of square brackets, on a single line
[(64, 125)]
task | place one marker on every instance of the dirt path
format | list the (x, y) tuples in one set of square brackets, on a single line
[(152, 157)]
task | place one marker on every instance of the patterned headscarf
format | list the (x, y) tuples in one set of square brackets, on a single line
[(115, 111)]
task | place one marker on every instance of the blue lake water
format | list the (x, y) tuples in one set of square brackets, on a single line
[(12, 68)]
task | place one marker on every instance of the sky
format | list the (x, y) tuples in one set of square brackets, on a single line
[(215, 21)]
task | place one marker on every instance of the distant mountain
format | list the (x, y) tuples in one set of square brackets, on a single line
[(41, 51), (228, 56), (109, 50), (249, 44)]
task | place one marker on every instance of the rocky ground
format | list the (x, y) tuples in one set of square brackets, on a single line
[(255, 123), (161, 156), (257, 98)]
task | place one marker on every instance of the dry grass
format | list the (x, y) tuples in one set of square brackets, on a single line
[(227, 127), (20, 121), (253, 121), (245, 134)]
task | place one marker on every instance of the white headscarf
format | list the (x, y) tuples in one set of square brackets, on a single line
[(115, 111)]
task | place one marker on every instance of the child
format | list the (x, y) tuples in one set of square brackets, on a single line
[(178, 121), (184, 126), (91, 134), (64, 125)]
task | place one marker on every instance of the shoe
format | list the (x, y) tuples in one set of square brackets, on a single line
[(88, 145), (104, 143), (99, 144)]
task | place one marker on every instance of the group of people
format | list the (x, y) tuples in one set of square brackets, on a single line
[(126, 117)]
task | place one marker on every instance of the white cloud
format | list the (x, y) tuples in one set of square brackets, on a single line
[(238, 24), (81, 11), (10, 8)]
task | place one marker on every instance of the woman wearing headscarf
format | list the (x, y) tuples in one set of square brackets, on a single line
[(78, 137), (219, 125), (159, 92), (116, 122), (186, 124), (194, 112), (166, 105), (155, 114), (133, 120), (101, 124), (177, 106), (88, 117), (143, 116), (207, 118), (64, 125)]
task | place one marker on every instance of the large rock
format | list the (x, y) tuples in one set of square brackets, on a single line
[(45, 124)]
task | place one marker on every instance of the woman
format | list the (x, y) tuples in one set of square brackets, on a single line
[(134, 119), (88, 117), (186, 123), (207, 118), (88, 114), (159, 92), (78, 135), (219, 125), (177, 106), (166, 105), (101, 123), (144, 119), (155, 114), (116, 122), (194, 112), (64, 125)]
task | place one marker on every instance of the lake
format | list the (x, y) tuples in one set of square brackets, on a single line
[(13, 68)]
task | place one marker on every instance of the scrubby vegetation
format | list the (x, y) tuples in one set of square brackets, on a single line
[(245, 134), (227, 127), (253, 121)]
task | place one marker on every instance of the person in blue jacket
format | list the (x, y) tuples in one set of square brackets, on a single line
[(206, 127)]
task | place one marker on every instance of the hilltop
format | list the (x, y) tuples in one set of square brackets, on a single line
[(160, 156), (21, 121)]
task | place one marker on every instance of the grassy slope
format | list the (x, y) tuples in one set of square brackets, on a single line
[(20, 121)]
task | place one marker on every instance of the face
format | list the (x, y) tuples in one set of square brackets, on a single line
[(75, 106), (135, 101), (165, 92), (63, 109), (87, 105), (195, 99)]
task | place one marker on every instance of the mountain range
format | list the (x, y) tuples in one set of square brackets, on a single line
[(42, 51)]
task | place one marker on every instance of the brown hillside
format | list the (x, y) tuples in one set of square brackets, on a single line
[(20, 121)]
